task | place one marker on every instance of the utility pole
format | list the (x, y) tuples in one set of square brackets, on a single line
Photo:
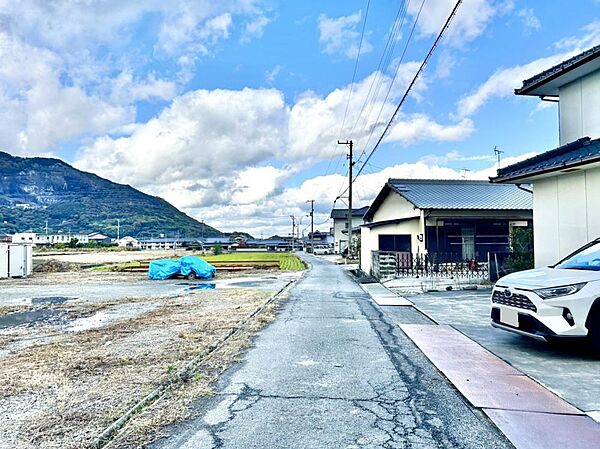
[(293, 230), (46, 227), (118, 229), (312, 225), (350, 165)]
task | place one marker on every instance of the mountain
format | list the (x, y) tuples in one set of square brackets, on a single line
[(33, 190)]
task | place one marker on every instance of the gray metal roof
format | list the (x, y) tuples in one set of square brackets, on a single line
[(343, 213), (462, 194), (580, 152)]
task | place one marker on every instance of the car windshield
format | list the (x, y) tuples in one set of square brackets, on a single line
[(588, 258)]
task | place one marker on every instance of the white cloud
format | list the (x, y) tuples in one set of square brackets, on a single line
[(470, 21), (341, 35), (589, 38), (40, 112), (272, 74), (197, 146), (503, 82), (419, 127), (214, 152), (529, 19), (315, 120), (255, 28), (126, 89), (69, 71)]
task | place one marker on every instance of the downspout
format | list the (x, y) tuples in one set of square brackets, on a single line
[(519, 186)]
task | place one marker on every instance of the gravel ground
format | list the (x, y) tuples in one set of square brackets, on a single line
[(99, 257), (71, 366)]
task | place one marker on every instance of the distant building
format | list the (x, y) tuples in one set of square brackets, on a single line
[(160, 243), (340, 226), (99, 238), (320, 238), (129, 242), (565, 180), (48, 239)]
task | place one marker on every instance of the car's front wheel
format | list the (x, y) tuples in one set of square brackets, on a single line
[(594, 331)]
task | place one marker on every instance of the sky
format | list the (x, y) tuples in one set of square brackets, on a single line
[(232, 110)]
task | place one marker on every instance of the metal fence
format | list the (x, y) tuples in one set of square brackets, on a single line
[(388, 264)]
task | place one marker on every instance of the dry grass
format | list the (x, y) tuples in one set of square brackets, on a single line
[(63, 394)]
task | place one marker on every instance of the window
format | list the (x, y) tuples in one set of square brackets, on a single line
[(398, 243)]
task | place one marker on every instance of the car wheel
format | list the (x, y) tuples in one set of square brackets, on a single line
[(594, 332), (192, 276)]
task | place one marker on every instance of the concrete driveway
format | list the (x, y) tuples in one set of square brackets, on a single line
[(569, 369)]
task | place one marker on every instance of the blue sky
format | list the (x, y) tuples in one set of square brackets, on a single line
[(231, 110)]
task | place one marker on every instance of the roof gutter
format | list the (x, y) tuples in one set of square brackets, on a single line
[(509, 179), (560, 71)]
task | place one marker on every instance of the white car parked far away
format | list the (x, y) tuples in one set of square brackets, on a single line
[(554, 302)]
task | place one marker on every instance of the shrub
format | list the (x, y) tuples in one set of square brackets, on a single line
[(217, 249), (521, 249)]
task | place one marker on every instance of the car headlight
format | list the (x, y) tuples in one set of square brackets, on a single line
[(564, 290)]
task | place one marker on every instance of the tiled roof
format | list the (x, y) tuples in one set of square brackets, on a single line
[(579, 152), (343, 213), (462, 194), (558, 70)]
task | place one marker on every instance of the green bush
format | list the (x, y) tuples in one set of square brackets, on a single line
[(521, 249), (217, 249)]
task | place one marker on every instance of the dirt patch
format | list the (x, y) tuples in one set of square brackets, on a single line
[(65, 389), (54, 266)]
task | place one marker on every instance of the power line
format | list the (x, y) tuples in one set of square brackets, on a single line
[(362, 34), (381, 66), (423, 64), (408, 40)]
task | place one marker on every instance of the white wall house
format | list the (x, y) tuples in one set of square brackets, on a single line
[(340, 226), (129, 242), (565, 180), (462, 219)]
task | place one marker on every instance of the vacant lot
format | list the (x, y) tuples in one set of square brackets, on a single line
[(71, 364)]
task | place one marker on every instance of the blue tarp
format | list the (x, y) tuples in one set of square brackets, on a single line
[(166, 268), (199, 267)]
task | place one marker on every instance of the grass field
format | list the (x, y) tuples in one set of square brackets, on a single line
[(287, 261)]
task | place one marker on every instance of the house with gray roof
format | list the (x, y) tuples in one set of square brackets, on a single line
[(340, 226), (565, 180), (463, 219)]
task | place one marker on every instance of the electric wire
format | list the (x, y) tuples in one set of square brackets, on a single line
[(383, 103), (413, 81)]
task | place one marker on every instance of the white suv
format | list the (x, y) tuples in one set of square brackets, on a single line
[(562, 300)]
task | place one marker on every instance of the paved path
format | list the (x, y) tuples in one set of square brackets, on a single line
[(334, 372), (555, 366)]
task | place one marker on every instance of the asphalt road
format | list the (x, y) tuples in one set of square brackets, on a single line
[(569, 369), (334, 371)]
